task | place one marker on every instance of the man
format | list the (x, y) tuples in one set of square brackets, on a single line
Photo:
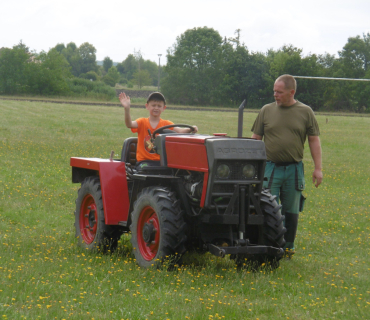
[(285, 124)]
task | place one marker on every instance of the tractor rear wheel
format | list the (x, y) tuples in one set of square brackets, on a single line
[(272, 234), (157, 228), (92, 232)]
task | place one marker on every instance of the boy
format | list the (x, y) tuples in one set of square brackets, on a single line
[(156, 104)]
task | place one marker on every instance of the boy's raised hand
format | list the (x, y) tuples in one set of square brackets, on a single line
[(125, 100)]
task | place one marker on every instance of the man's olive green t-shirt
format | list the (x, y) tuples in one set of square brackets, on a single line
[(285, 129)]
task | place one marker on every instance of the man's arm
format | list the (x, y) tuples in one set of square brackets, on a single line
[(256, 136), (315, 148), (126, 103)]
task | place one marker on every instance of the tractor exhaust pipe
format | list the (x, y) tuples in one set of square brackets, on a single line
[(240, 119)]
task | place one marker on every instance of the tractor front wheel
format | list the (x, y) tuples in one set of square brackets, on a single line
[(272, 233), (157, 228), (92, 232)]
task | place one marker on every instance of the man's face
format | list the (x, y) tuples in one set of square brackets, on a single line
[(283, 97), (155, 107)]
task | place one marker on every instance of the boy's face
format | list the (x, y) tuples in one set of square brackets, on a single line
[(155, 107)]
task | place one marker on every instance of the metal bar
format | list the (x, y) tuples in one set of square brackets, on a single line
[(231, 205), (328, 78), (242, 213), (247, 250), (240, 119)]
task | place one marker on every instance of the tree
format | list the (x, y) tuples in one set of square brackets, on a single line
[(107, 63), (134, 63), (152, 68), (48, 74), (60, 47), (13, 63), (194, 67), (130, 66), (356, 56), (290, 60), (81, 59), (22, 46), (246, 75), (112, 77), (91, 75), (120, 67), (142, 78), (87, 53), (286, 60), (71, 54)]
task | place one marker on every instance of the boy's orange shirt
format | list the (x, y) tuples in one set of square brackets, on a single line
[(144, 145)]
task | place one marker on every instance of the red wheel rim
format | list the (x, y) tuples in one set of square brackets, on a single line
[(88, 219), (148, 249)]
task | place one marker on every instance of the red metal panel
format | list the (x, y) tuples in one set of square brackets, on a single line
[(188, 156), (187, 139), (114, 191), (86, 163), (113, 185)]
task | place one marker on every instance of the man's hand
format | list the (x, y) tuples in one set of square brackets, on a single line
[(195, 129), (125, 100), (315, 148), (317, 177)]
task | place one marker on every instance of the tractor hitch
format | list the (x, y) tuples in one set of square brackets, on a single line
[(248, 249)]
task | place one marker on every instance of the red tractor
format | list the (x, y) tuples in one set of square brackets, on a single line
[(206, 195)]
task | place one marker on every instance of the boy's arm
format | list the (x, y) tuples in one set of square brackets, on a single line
[(126, 103), (185, 130)]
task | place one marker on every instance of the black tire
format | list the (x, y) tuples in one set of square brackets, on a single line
[(92, 232), (157, 228), (273, 233), (273, 228)]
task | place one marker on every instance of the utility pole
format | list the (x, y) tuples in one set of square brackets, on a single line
[(159, 69)]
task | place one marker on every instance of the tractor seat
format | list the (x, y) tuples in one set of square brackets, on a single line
[(128, 153)]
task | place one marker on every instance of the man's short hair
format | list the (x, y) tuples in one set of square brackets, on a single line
[(289, 81)]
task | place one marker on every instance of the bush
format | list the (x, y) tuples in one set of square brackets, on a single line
[(122, 80), (91, 75), (92, 89), (108, 80)]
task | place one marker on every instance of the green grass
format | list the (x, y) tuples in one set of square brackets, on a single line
[(43, 274)]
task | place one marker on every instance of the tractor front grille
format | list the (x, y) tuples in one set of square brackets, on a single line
[(226, 181), (236, 170)]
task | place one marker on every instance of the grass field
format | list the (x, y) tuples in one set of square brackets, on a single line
[(44, 275)]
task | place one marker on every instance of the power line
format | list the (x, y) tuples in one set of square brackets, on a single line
[(327, 78)]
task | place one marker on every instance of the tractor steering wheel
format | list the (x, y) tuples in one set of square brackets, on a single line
[(161, 129)]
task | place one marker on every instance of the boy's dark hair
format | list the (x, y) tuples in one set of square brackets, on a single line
[(156, 96)]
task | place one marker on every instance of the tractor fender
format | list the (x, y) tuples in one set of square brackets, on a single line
[(113, 183)]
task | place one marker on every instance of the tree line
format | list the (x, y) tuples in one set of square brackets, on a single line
[(68, 70), (202, 69)]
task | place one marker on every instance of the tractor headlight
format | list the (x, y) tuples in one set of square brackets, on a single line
[(249, 171), (223, 171)]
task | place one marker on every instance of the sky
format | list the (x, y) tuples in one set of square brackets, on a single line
[(118, 28)]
